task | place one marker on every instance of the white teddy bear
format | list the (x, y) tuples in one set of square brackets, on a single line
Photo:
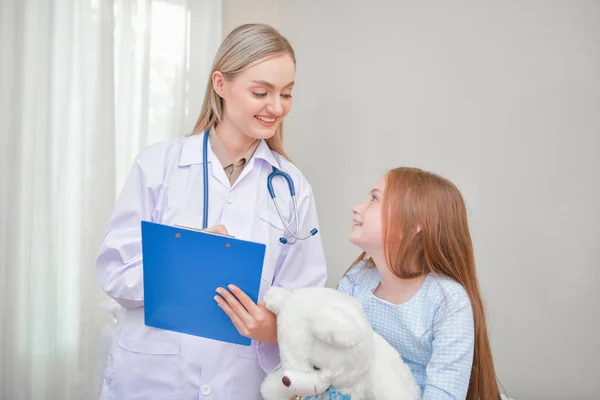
[(329, 351)]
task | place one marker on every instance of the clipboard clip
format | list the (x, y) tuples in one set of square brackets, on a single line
[(204, 231)]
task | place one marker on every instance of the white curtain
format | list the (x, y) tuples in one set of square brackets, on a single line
[(85, 85)]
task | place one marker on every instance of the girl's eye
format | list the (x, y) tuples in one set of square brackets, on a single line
[(316, 368), (286, 96), (374, 198), (259, 95)]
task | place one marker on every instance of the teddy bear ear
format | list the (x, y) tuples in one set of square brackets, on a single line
[(339, 326), (275, 297)]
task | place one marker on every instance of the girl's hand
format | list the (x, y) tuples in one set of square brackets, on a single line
[(251, 320)]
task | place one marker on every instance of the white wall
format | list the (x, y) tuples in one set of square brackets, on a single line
[(503, 98)]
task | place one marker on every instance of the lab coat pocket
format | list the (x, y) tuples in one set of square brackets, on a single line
[(272, 218), (145, 368), (248, 351), (146, 347)]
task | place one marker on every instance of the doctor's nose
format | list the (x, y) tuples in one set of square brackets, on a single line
[(275, 108), (286, 381)]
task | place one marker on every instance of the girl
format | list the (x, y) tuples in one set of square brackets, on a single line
[(248, 95), (418, 284)]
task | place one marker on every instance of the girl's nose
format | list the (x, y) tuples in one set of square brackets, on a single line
[(359, 208)]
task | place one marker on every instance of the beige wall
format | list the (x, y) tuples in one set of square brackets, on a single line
[(503, 98), (237, 12)]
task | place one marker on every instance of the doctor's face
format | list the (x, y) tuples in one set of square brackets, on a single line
[(257, 99), (367, 230)]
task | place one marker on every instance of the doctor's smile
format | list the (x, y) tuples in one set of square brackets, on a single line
[(267, 121)]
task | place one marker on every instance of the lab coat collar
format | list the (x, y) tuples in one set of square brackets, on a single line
[(192, 152), (264, 152)]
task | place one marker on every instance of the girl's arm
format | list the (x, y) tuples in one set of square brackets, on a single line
[(449, 370)]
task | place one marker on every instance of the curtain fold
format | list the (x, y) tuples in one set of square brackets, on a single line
[(85, 85)]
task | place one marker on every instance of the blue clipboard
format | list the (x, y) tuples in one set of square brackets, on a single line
[(183, 267)]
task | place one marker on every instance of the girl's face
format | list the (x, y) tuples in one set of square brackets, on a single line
[(257, 99), (367, 227)]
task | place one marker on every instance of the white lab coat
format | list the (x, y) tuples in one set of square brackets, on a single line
[(166, 186)]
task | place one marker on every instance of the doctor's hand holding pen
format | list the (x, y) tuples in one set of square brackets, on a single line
[(251, 320)]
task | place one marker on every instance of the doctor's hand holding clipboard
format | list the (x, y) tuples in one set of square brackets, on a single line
[(251, 320), (231, 171)]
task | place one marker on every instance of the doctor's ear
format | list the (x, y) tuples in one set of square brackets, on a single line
[(218, 81)]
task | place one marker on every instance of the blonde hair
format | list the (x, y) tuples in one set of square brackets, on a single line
[(245, 45)]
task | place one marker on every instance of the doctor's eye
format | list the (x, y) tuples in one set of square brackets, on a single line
[(259, 95), (316, 368)]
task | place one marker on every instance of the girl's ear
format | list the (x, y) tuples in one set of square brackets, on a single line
[(218, 81)]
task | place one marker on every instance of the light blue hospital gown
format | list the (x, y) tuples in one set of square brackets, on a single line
[(330, 394), (433, 331)]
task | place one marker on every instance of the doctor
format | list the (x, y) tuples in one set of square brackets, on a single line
[(248, 95)]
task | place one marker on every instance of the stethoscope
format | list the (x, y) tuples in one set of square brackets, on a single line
[(276, 172)]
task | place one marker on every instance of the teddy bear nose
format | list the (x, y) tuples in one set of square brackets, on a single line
[(286, 381)]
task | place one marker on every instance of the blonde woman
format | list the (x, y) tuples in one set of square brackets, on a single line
[(248, 95)]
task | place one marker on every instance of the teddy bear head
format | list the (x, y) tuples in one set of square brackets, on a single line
[(324, 337)]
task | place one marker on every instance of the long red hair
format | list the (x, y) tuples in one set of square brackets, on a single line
[(425, 230)]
